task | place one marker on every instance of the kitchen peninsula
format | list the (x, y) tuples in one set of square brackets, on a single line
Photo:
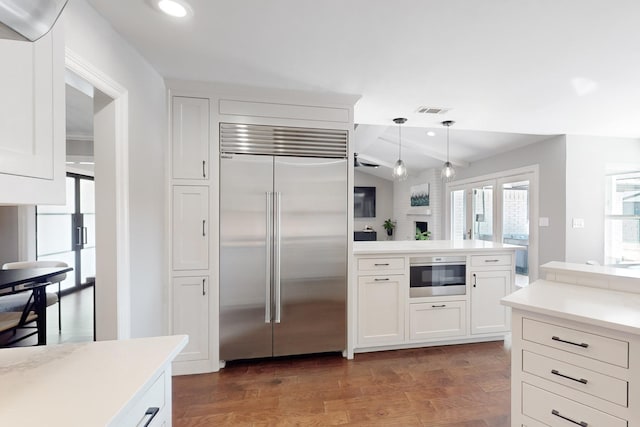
[(429, 292), (105, 383)]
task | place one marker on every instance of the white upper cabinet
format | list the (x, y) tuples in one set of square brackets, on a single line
[(190, 138), (32, 119)]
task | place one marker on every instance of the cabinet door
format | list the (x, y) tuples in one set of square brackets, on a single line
[(381, 306), (191, 315), (190, 227), (28, 77), (437, 320), (190, 138), (487, 289)]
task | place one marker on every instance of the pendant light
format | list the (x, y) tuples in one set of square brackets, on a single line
[(399, 169), (448, 172)]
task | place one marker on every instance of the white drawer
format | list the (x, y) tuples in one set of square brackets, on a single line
[(381, 264), (490, 260), (557, 411), (154, 397), (575, 341), (437, 320), (599, 385)]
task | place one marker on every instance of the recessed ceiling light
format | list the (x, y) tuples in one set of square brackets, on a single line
[(431, 133), (178, 9)]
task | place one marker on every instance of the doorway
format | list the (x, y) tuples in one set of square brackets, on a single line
[(498, 208)]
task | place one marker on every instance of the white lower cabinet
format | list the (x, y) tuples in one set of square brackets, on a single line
[(381, 309), (191, 316), (437, 320), (487, 289)]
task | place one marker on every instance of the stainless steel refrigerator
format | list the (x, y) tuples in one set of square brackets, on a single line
[(283, 241)]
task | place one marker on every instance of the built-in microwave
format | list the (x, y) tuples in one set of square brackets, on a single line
[(437, 276)]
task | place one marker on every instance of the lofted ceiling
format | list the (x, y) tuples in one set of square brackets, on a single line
[(541, 67)]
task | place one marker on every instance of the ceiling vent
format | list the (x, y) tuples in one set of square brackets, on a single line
[(432, 110)]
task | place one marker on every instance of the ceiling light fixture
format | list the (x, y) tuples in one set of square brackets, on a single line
[(448, 172), (399, 169), (175, 8)]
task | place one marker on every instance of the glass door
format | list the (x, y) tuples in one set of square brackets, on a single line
[(516, 212), (482, 212), (67, 233)]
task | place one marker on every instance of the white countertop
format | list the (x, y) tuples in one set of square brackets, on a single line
[(596, 270), (78, 384), (424, 246), (595, 306)]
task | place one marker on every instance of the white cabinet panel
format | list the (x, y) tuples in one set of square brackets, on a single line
[(190, 138), (437, 320), (487, 289), (190, 227), (191, 315), (381, 302)]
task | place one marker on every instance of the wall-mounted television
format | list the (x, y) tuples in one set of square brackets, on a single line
[(364, 202)]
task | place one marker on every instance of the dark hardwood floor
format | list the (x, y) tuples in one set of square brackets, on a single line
[(463, 385)]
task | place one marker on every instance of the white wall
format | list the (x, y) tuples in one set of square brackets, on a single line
[(384, 203), (588, 160), (403, 212), (551, 157), (91, 38)]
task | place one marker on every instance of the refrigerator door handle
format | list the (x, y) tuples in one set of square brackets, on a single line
[(269, 243), (276, 260)]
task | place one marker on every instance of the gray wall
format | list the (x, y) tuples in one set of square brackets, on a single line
[(9, 245), (589, 159), (384, 203), (550, 156)]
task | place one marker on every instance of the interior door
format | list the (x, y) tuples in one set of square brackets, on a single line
[(311, 222), (246, 183)]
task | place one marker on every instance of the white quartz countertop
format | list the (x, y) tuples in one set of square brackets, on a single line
[(595, 306), (83, 384), (426, 246)]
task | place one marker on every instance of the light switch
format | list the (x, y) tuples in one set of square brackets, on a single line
[(578, 222), (543, 221)]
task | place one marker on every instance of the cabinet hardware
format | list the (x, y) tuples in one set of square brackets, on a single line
[(203, 223), (277, 258), (84, 235), (439, 306), (557, 414), (491, 260), (203, 291), (381, 280), (475, 280), (578, 380), (151, 413), (204, 174), (268, 258), (79, 236), (582, 344), (381, 265)]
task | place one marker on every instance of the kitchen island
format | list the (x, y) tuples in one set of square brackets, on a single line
[(390, 309), (107, 383), (576, 345)]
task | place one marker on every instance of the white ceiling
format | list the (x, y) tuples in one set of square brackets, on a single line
[(539, 67)]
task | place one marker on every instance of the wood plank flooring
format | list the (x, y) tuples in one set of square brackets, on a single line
[(462, 385)]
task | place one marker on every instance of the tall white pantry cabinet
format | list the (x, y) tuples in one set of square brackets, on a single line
[(190, 228)]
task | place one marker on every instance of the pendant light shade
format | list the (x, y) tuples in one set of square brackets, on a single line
[(448, 172), (399, 169)]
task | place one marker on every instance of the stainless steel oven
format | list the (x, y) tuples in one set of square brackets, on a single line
[(436, 276)]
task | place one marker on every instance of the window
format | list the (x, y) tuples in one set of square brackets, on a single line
[(622, 219)]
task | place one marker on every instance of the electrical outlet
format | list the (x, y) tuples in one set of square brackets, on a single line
[(578, 222)]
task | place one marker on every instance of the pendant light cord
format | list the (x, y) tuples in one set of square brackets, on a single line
[(448, 143), (399, 141)]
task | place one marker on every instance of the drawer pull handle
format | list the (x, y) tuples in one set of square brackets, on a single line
[(151, 413), (491, 260), (439, 306), (381, 280), (578, 380), (582, 344), (381, 264), (557, 414)]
